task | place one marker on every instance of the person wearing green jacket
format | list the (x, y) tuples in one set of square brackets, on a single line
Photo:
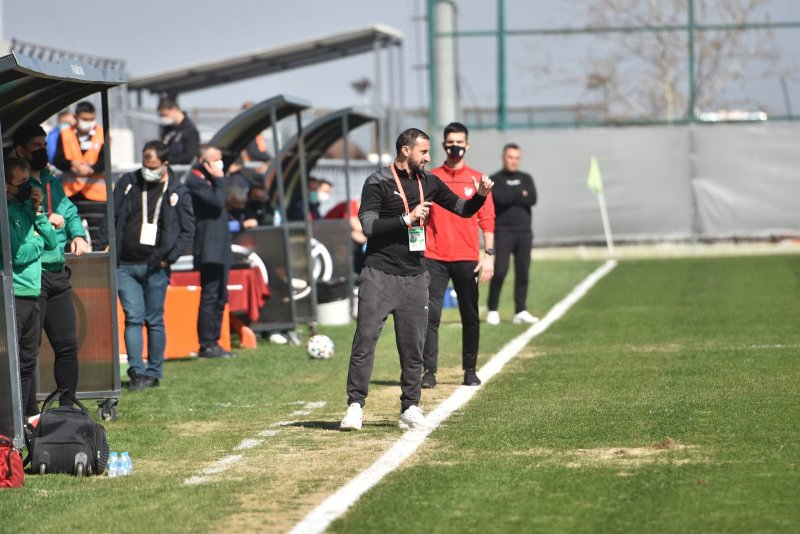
[(56, 302), (31, 234)]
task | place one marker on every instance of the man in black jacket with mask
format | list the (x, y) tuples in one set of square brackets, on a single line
[(212, 247), (153, 225), (178, 132)]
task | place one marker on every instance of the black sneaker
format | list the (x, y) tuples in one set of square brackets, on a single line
[(215, 352), (150, 382), (137, 382), (471, 378), (428, 380)]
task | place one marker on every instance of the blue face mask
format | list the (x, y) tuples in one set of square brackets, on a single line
[(313, 197)]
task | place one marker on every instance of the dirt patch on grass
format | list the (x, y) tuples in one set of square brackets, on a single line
[(305, 462), (666, 451), (198, 428)]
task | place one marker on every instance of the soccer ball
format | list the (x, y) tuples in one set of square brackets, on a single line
[(319, 347)]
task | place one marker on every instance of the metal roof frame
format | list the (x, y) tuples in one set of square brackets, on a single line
[(32, 89), (318, 136), (269, 61)]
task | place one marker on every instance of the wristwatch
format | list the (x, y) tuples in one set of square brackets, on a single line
[(489, 251)]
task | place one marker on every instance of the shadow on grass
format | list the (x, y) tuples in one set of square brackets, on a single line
[(385, 382), (334, 425)]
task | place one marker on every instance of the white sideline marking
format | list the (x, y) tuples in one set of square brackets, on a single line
[(337, 504), (226, 462)]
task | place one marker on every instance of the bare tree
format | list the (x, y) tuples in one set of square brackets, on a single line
[(646, 75)]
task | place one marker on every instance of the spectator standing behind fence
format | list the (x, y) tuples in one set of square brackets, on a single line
[(56, 302), (514, 196), (256, 149), (178, 132), (154, 224), (395, 203), (80, 156), (31, 234), (66, 119), (453, 253), (212, 247)]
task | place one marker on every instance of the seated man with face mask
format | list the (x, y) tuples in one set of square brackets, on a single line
[(80, 157), (319, 192), (154, 225)]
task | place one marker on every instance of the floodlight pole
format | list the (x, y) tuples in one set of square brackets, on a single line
[(690, 31)]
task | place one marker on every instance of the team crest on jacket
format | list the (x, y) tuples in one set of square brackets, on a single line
[(468, 191)]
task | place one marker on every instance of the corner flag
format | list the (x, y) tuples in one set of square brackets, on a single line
[(595, 181)]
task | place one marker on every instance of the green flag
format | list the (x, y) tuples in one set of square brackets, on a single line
[(595, 181)]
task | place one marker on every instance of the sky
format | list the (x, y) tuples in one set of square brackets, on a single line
[(158, 35)]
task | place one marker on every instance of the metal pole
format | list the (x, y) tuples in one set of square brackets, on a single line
[(312, 281), (348, 195), (401, 105), (502, 108), (112, 239), (392, 111), (787, 99), (282, 208), (691, 114), (377, 102), (432, 39), (445, 68)]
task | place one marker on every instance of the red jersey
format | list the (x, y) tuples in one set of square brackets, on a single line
[(448, 236), (339, 211)]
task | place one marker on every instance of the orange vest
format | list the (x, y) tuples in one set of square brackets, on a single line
[(93, 187)]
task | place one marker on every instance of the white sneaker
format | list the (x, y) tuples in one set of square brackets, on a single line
[(353, 418), (493, 318), (412, 419), (524, 317)]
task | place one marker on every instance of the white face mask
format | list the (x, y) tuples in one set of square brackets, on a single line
[(219, 164), (323, 196), (86, 126), (152, 175), (167, 121)]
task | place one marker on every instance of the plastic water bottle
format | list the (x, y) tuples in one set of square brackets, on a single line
[(112, 468), (127, 464), (276, 218)]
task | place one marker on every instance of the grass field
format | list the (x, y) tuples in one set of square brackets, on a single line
[(667, 400)]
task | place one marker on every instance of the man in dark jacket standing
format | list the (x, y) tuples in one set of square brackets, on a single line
[(514, 196), (154, 225), (178, 132), (395, 204), (212, 247)]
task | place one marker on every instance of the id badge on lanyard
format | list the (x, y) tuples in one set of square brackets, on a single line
[(416, 234), (148, 234), (149, 231)]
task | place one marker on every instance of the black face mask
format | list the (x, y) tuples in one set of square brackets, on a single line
[(24, 191), (38, 159), (455, 151)]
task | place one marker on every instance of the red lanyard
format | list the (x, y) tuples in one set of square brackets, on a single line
[(49, 198), (403, 193)]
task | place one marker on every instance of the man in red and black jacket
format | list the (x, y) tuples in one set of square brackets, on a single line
[(453, 253)]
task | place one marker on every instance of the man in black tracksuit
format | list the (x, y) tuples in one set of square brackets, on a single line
[(395, 202), (514, 195), (178, 132), (212, 247), (154, 225)]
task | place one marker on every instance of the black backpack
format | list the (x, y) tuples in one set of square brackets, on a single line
[(67, 440)]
